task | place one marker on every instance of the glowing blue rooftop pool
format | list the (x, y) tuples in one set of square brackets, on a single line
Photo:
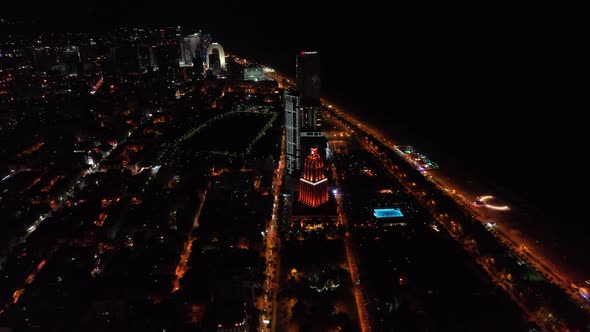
[(387, 213)]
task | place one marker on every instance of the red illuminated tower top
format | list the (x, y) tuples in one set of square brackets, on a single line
[(313, 168), (313, 184)]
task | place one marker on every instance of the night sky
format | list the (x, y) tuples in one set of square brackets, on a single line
[(496, 84), (440, 41)]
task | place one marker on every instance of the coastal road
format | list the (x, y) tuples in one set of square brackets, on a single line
[(402, 179)]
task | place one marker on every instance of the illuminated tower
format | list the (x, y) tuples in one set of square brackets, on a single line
[(293, 128), (190, 50), (313, 184), (215, 52)]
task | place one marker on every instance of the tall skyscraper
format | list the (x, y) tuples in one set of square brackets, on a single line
[(215, 56), (167, 56), (302, 111), (190, 50), (206, 40), (70, 58), (313, 184), (171, 34), (309, 117), (308, 77), (146, 55), (292, 128), (44, 58), (168, 51), (124, 59)]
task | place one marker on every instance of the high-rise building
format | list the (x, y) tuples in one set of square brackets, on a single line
[(146, 54), (44, 58), (215, 57), (213, 62), (308, 83), (124, 59), (171, 34), (292, 128), (190, 50), (308, 77), (313, 184), (168, 52), (206, 40), (309, 118), (69, 57), (302, 111), (89, 51), (167, 56)]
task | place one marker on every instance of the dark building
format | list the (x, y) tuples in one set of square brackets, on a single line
[(70, 59), (214, 62), (89, 52), (146, 55), (124, 59), (167, 56), (308, 78), (63, 60), (171, 34), (229, 307), (206, 40), (309, 118), (308, 83), (44, 58)]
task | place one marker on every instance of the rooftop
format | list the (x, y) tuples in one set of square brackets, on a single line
[(387, 213)]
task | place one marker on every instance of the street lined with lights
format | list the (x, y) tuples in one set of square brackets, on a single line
[(270, 285), (539, 263)]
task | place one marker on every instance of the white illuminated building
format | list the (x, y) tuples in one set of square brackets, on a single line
[(292, 128), (220, 52), (189, 47)]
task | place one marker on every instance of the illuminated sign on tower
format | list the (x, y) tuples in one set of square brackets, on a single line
[(313, 184)]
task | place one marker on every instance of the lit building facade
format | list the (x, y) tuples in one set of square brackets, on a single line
[(302, 132), (302, 112), (254, 73), (313, 184), (70, 58), (308, 83), (215, 51), (190, 50), (292, 128)]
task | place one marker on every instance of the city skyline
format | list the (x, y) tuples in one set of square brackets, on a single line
[(171, 178)]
